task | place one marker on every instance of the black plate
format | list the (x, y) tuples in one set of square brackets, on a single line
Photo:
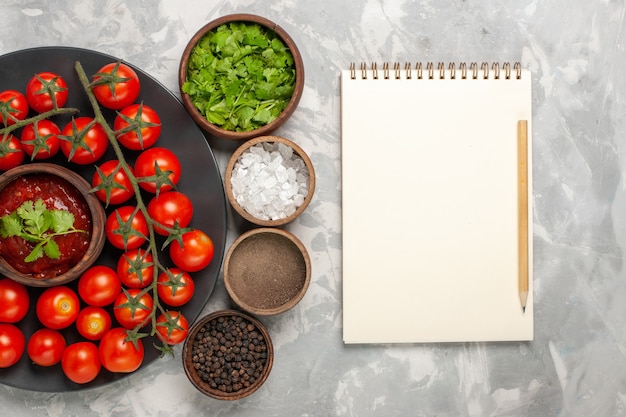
[(200, 180)]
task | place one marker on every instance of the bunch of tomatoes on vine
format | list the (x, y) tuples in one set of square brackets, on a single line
[(112, 307)]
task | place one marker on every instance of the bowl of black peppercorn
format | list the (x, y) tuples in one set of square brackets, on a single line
[(228, 355)]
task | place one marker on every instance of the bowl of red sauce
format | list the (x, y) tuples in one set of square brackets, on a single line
[(51, 226)]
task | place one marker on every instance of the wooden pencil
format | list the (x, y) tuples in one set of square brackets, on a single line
[(522, 189)]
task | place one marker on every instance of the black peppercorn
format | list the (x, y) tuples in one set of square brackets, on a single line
[(229, 353)]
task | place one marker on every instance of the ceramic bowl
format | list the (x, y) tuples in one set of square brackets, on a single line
[(214, 129), (98, 218), (267, 214), (267, 271), (228, 355)]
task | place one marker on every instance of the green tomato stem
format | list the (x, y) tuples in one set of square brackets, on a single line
[(99, 117), (22, 123)]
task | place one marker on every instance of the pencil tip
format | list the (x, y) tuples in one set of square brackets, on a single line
[(524, 309)]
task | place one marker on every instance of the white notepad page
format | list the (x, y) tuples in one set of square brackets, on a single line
[(429, 208)]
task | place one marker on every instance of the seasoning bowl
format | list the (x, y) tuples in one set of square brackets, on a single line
[(228, 355), (261, 161), (93, 205), (267, 271), (188, 62)]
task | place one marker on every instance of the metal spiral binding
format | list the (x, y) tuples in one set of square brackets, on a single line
[(430, 71)]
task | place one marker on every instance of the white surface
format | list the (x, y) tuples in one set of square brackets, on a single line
[(576, 364)]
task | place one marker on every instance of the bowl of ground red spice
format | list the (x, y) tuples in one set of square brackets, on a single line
[(267, 271), (51, 226), (228, 355)]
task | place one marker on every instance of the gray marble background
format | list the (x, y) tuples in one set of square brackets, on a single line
[(576, 366)]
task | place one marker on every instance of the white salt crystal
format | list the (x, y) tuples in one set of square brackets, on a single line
[(298, 199), (276, 160), (285, 151), (281, 174), (270, 181)]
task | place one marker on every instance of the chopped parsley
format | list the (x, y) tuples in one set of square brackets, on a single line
[(34, 222), (240, 76)]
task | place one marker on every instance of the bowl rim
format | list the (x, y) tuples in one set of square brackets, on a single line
[(98, 218), (191, 372), (286, 113), (228, 188), (289, 304)]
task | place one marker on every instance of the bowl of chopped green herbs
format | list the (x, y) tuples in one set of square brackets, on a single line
[(241, 76)]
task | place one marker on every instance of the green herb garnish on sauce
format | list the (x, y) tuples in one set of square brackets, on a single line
[(34, 222), (240, 76)]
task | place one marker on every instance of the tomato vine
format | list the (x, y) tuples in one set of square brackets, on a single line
[(175, 233)]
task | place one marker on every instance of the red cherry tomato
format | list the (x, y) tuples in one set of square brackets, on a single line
[(116, 85), (170, 208), (135, 268), (157, 169), (93, 322), (86, 141), (196, 252), (111, 183), (11, 152), (14, 301), (99, 286), (175, 287), (132, 308), (81, 362), (12, 344), (172, 327), (40, 140), (46, 91), (57, 307), (137, 127), (126, 228), (45, 347), (13, 107), (119, 355)]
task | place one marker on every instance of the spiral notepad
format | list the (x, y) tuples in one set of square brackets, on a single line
[(436, 214)]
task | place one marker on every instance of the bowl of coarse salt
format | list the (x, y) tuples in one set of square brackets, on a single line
[(269, 181)]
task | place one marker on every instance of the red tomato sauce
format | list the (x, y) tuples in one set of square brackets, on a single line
[(58, 194)]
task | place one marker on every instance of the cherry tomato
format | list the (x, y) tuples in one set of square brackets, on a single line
[(196, 252), (132, 308), (175, 287), (111, 183), (170, 208), (57, 307), (46, 91), (172, 327), (11, 152), (14, 301), (86, 141), (157, 169), (13, 107), (116, 85), (119, 355), (40, 140), (135, 268), (45, 347), (99, 286), (81, 362), (93, 322), (12, 343), (126, 228), (137, 127)]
